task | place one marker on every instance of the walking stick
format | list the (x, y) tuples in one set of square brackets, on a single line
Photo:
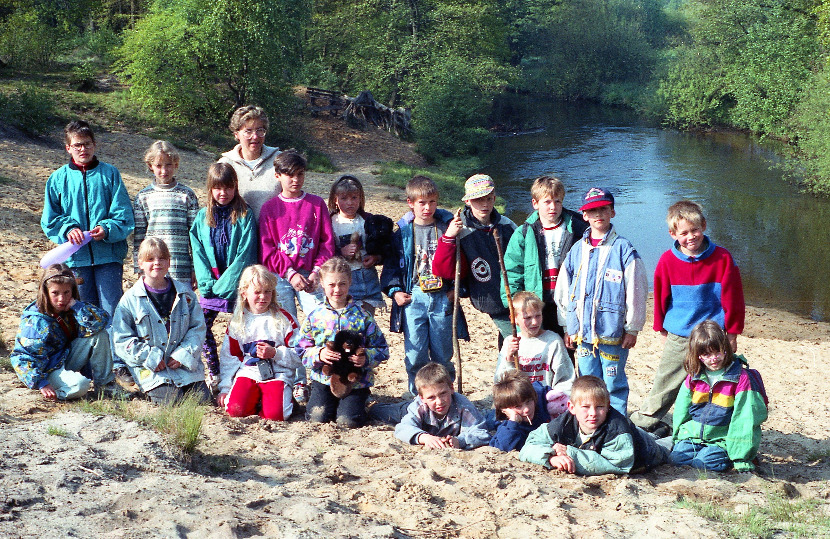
[(497, 237), (456, 350)]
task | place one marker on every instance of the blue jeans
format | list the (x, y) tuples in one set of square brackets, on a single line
[(350, 411), (606, 362), (89, 357), (700, 456), (288, 298), (102, 286), (427, 331)]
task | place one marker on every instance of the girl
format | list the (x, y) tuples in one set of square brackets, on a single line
[(361, 238), (60, 337), (258, 359), (158, 329), (339, 312), (166, 209), (720, 407), (224, 242)]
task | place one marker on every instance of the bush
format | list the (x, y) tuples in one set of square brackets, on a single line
[(26, 42), (27, 108)]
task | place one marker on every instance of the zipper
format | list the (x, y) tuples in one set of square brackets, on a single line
[(88, 220)]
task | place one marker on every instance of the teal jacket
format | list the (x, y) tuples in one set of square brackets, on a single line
[(523, 257), (85, 198), (242, 252)]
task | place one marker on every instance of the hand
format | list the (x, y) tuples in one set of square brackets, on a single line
[(565, 464), (432, 442), (348, 250), (513, 415), (512, 345), (162, 366), (194, 284), (561, 450), (370, 261), (402, 298), (664, 334), (454, 226), (451, 296), (569, 342), (48, 392), (328, 356), (359, 359), (453, 442), (629, 341), (98, 233), (221, 399), (173, 364), (265, 350), (313, 282), (298, 282), (733, 341), (75, 236)]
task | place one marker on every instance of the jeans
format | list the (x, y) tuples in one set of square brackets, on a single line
[(390, 413), (168, 394), (700, 456), (606, 362), (323, 406), (286, 297), (102, 286), (88, 356), (427, 331)]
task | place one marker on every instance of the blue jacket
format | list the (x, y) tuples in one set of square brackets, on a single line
[(511, 435), (601, 291), (84, 199), (398, 270), (142, 340), (462, 421), (42, 347)]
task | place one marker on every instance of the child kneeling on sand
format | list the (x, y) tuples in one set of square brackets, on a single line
[(592, 438)]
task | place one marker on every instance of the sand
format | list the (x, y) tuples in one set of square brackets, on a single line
[(68, 473)]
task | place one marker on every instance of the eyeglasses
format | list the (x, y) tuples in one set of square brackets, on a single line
[(711, 357), (82, 145), (249, 133)]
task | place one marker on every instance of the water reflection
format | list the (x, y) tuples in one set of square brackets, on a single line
[(776, 234)]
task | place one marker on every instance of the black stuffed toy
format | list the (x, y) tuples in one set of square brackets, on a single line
[(343, 372)]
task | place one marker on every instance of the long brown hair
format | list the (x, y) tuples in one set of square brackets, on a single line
[(54, 274), (223, 175), (707, 338)]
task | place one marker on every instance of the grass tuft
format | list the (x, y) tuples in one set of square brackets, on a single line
[(52, 430)]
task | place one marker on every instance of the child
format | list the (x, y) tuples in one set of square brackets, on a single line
[(521, 407), (62, 341), (166, 209), (339, 313), (439, 417), (88, 195), (694, 281), (601, 294), (421, 302), (258, 357), (538, 248), (363, 239), (158, 330), (542, 354), (252, 160), (223, 240), (720, 407), (480, 266), (592, 438)]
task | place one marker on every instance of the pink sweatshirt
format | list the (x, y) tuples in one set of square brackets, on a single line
[(295, 234)]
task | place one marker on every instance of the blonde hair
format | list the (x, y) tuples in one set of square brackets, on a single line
[(256, 274), (527, 300), (224, 175), (432, 374), (54, 274), (245, 114), (590, 388), (161, 147), (153, 247), (345, 185), (513, 389), (685, 210), (336, 264), (547, 186), (420, 187), (707, 338)]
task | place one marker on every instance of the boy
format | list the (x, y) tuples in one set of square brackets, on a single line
[(296, 238), (542, 354), (537, 249), (592, 438), (694, 281), (88, 195), (439, 417), (479, 256), (421, 302), (601, 294)]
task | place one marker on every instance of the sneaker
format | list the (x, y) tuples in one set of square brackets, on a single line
[(125, 379), (113, 391), (301, 393)]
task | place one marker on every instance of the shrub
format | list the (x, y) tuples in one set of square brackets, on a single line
[(27, 108)]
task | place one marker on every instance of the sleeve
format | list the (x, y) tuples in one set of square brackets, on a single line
[(91, 318), (272, 257), (514, 264), (732, 299), (561, 366), (503, 364), (616, 456), (192, 208), (55, 221), (473, 430), (201, 263), (509, 435), (392, 275), (681, 413), (561, 294), (443, 263), (662, 293), (307, 346), (744, 434), (326, 235), (29, 356), (246, 255), (636, 294), (120, 221), (409, 428), (286, 356), (140, 216), (376, 348), (538, 448), (229, 362), (133, 348), (189, 350)]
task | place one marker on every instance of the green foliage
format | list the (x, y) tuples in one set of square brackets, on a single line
[(449, 176), (53, 430), (319, 162), (26, 41), (27, 108), (811, 125)]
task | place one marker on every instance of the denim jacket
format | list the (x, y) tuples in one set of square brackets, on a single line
[(142, 340)]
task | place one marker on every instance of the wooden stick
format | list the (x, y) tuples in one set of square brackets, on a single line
[(456, 349), (499, 249)]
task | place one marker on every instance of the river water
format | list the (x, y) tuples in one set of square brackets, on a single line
[(778, 236)]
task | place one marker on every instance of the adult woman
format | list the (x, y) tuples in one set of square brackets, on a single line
[(252, 160)]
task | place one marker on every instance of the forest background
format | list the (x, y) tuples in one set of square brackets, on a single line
[(182, 66)]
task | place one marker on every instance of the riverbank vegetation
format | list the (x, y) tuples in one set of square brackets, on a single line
[(754, 65)]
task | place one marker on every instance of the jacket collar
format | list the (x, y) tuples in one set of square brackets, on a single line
[(83, 168), (732, 374), (710, 248)]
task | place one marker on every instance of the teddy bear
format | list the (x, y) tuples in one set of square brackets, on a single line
[(343, 373), (557, 403)]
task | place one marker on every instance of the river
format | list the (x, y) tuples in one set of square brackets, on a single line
[(777, 235)]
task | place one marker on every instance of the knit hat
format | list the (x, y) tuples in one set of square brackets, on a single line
[(477, 186), (597, 197)]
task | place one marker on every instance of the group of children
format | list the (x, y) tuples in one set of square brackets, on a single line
[(578, 290)]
